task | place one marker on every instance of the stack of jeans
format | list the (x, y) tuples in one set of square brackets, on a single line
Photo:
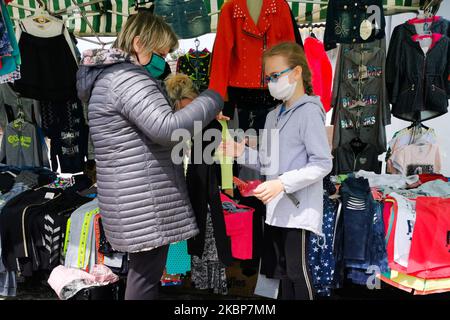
[(363, 247)]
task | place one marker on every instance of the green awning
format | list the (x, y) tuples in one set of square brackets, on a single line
[(107, 17)]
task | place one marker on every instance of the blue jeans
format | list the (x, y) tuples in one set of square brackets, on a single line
[(188, 18), (357, 214)]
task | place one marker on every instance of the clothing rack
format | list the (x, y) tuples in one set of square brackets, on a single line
[(141, 5), (311, 25)]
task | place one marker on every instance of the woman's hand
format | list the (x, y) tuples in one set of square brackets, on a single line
[(268, 190), (220, 116), (231, 148)]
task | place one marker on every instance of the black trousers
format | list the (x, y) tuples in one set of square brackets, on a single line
[(285, 258), (145, 272)]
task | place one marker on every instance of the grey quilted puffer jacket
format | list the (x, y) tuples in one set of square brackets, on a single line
[(142, 194)]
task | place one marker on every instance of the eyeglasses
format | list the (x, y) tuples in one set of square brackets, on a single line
[(275, 76)]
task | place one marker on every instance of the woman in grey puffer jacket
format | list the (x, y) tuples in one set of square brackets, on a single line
[(142, 194)]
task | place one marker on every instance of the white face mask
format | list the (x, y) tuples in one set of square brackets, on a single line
[(282, 89)]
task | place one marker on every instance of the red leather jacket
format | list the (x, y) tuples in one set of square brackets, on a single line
[(239, 44)]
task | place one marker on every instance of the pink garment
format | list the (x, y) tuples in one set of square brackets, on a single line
[(417, 159), (239, 227), (321, 70), (66, 282)]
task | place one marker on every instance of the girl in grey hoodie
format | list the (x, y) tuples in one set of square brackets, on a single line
[(294, 156)]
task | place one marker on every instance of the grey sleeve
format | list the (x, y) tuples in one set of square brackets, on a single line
[(143, 104)]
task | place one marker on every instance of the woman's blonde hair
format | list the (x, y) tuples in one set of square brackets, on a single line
[(295, 56), (153, 32), (179, 86)]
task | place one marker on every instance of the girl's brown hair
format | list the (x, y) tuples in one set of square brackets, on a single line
[(295, 56)]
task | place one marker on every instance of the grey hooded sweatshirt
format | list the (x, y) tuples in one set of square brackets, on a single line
[(300, 157), (142, 194)]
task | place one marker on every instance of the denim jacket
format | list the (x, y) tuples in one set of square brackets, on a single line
[(188, 18), (346, 18), (419, 84)]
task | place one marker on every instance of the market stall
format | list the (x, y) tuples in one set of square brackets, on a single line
[(378, 224)]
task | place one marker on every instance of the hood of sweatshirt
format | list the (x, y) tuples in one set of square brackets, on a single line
[(93, 63), (305, 99)]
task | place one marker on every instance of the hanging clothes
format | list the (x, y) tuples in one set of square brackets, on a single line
[(5, 43), (17, 245), (48, 68), (240, 43), (188, 18), (11, 103), (48, 27), (207, 271), (65, 125), (360, 105), (203, 185), (196, 65), (407, 136), (8, 283), (416, 159), (418, 83), (21, 146), (350, 21), (348, 159), (10, 64), (321, 70), (321, 258)]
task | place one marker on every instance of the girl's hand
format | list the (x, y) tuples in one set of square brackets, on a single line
[(220, 116), (231, 148), (268, 190)]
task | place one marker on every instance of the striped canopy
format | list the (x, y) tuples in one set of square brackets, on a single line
[(108, 16)]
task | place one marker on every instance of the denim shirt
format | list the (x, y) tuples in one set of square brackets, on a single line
[(346, 18)]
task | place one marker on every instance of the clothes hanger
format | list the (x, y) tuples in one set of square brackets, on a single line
[(19, 122), (142, 6), (41, 16), (311, 32)]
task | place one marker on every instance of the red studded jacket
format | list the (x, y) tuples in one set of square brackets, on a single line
[(239, 43)]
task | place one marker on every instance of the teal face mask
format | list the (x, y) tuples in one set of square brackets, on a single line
[(156, 66)]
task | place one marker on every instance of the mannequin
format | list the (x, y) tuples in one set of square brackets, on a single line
[(254, 8)]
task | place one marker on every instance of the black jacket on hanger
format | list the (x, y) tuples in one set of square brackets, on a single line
[(203, 181), (418, 85)]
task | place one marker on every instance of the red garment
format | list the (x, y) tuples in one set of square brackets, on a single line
[(427, 177), (387, 217), (239, 228), (429, 257), (321, 70), (387, 207), (239, 43)]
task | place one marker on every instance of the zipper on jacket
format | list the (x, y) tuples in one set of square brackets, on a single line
[(424, 91), (354, 161)]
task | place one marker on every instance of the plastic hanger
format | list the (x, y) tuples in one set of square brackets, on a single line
[(41, 16), (311, 32)]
